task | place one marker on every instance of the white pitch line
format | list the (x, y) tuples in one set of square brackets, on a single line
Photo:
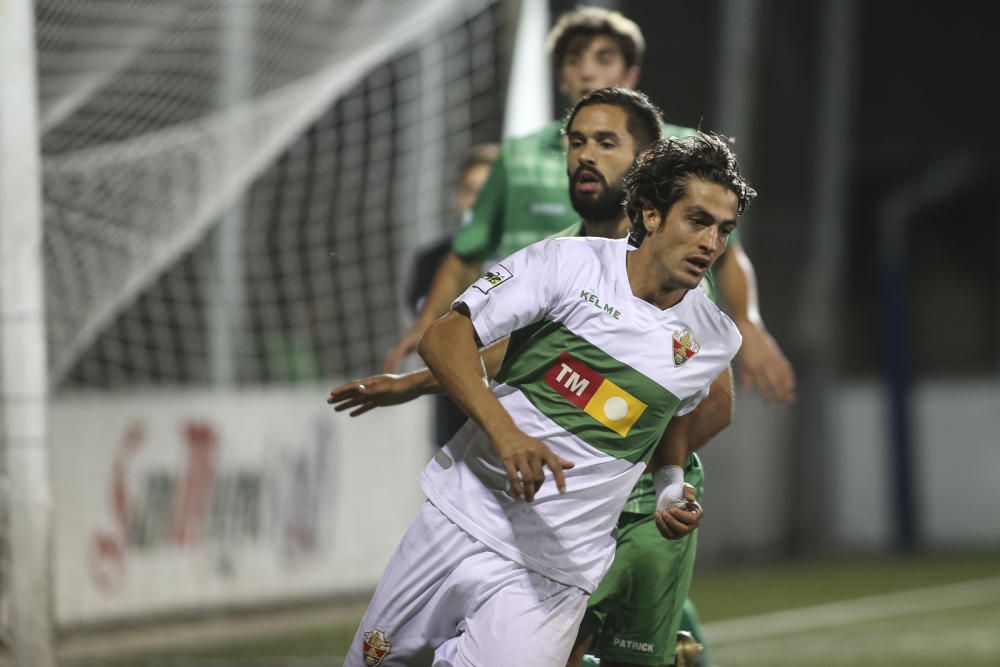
[(849, 612)]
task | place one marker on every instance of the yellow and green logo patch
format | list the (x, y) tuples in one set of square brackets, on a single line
[(593, 393)]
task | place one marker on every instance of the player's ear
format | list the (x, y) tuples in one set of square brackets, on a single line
[(651, 219), (631, 77)]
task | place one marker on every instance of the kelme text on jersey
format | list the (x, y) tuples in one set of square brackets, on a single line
[(596, 300)]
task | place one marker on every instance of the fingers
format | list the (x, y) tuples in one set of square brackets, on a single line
[(533, 475), (361, 403), (783, 380), (690, 493), (557, 465), (513, 476), (350, 396), (775, 383), (342, 392), (676, 522), (526, 473), (667, 530)]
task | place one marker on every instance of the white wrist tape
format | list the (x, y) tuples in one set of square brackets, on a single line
[(669, 484)]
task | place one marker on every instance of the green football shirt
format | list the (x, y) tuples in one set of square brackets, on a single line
[(525, 198)]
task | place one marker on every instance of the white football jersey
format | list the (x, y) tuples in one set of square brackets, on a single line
[(593, 372)]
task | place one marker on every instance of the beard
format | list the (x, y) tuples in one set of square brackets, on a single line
[(600, 206)]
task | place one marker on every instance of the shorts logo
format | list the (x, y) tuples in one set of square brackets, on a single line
[(496, 276), (685, 346), (593, 393), (375, 646), (632, 645)]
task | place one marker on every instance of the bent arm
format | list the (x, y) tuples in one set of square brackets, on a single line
[(687, 434), (737, 283), (677, 510), (452, 354), (450, 349)]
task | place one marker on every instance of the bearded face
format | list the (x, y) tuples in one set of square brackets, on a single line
[(593, 198)]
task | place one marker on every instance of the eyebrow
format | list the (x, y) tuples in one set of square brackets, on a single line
[(599, 135), (699, 211)]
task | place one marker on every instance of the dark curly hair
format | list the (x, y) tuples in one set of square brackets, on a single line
[(660, 174)]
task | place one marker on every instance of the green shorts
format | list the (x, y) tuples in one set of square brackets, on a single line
[(636, 610)]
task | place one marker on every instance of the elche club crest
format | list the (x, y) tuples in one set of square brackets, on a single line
[(685, 346), (375, 646)]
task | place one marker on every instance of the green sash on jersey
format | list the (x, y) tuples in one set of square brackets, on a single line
[(604, 402)]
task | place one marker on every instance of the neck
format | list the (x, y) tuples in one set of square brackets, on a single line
[(609, 229), (647, 281)]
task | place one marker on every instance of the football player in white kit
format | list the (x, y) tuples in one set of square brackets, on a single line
[(497, 566)]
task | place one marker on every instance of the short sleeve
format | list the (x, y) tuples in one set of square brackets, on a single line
[(514, 293), (479, 238)]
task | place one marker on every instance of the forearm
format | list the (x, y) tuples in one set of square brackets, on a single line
[(449, 349), (689, 433), (737, 284), (422, 382), (713, 414), (454, 275)]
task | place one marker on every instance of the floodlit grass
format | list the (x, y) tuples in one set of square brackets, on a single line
[(745, 591), (967, 636)]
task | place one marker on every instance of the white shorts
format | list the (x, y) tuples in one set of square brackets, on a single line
[(447, 600)]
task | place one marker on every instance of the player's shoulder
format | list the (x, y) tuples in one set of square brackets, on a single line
[(571, 256), (713, 322), (584, 248)]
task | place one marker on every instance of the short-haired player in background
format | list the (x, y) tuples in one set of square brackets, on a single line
[(497, 566), (448, 418)]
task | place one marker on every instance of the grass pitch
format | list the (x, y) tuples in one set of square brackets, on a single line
[(878, 612)]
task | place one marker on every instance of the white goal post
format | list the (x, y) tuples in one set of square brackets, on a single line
[(25, 504)]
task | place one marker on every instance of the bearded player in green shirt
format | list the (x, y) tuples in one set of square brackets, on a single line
[(525, 200)]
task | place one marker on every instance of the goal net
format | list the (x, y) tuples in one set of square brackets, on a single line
[(233, 190)]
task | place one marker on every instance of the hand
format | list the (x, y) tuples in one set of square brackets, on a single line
[(523, 457), (762, 365), (372, 392), (680, 520), (407, 344)]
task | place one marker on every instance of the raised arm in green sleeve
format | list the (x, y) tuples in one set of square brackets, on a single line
[(479, 239)]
